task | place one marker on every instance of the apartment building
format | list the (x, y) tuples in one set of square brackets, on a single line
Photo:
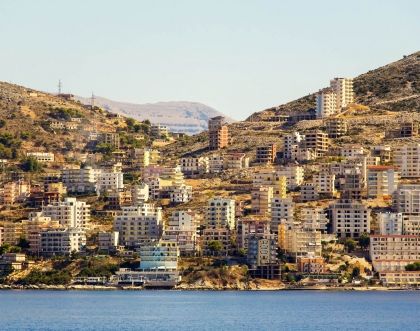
[(12, 232), (138, 225), (313, 218), (182, 229), (298, 242), (108, 180), (248, 226), (351, 150), (108, 241), (62, 241), (343, 88), (349, 218), (216, 163), (290, 143), (352, 185), (218, 133), (221, 213), (221, 235), (411, 225), (159, 131), (15, 192), (282, 210), (336, 127), (318, 141), (393, 252), (384, 152), (390, 223), (326, 103), (70, 213), (159, 256), (111, 138), (235, 161), (193, 166), (270, 177), (294, 175), (80, 180), (308, 192), (406, 199), (311, 264), (41, 157), (266, 154), (325, 183), (382, 181), (407, 160), (139, 194), (261, 200)]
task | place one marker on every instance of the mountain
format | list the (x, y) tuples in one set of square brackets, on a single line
[(179, 116), (394, 86), (26, 116)]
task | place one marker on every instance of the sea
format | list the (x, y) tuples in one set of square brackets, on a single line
[(209, 310)]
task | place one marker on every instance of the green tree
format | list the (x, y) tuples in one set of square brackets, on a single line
[(215, 246), (350, 245), (356, 272), (364, 240), (413, 266), (31, 164)]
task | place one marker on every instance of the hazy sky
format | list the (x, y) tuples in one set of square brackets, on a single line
[(237, 56)]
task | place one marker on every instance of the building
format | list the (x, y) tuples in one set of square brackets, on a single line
[(407, 160), (62, 241), (221, 213), (15, 192), (313, 218), (351, 150), (80, 180), (298, 242), (393, 252), (282, 210), (41, 157), (266, 154), (159, 256), (216, 163), (139, 194), (182, 229), (159, 131), (382, 181), (193, 166), (352, 185), (111, 138), (406, 199), (262, 257), (349, 219), (70, 213), (218, 133), (261, 200), (343, 88), (211, 235), (108, 180), (411, 225), (308, 192), (383, 152), (290, 143), (400, 278), (311, 264), (326, 103), (108, 241), (235, 161), (390, 223), (294, 175), (318, 141), (139, 224), (336, 127), (248, 226), (325, 183), (270, 177)]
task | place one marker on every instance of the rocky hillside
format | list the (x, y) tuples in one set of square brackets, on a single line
[(26, 116), (179, 116), (394, 86)]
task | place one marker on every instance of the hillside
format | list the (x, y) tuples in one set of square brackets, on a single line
[(179, 116), (26, 116), (390, 95), (394, 86)]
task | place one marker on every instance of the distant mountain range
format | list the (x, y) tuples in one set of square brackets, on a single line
[(179, 116)]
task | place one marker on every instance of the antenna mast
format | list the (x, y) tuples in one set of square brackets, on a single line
[(59, 86)]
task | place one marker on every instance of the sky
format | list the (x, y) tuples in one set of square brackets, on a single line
[(237, 56)]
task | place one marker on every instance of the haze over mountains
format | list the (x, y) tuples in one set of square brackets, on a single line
[(179, 116)]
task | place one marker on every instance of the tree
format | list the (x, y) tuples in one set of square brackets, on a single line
[(23, 243), (215, 246), (31, 164), (413, 266), (356, 272), (364, 240), (350, 245)]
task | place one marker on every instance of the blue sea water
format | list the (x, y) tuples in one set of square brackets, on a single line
[(174, 310)]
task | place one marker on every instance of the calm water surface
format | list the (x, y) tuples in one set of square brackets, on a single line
[(170, 310)]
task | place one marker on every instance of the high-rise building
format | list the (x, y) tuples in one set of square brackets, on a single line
[(218, 133)]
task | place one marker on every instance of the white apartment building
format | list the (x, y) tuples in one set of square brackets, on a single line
[(382, 181), (235, 161), (407, 159), (108, 241), (349, 218), (290, 143), (394, 252), (406, 199), (343, 88), (139, 194), (62, 241), (215, 163), (351, 150), (159, 131), (180, 194), (70, 213), (325, 183), (80, 180), (294, 175), (314, 218), (326, 103), (41, 157), (138, 224), (390, 223), (221, 213), (182, 229), (282, 209), (109, 181)]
